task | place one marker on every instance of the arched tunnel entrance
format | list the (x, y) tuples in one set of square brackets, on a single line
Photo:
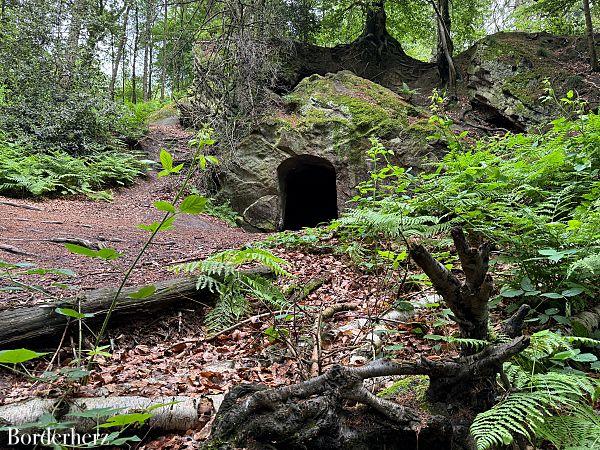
[(307, 189)]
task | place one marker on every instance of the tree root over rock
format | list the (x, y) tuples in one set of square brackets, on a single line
[(336, 411), (322, 412)]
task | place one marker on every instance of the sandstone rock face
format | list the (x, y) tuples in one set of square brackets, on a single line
[(325, 122), (506, 73)]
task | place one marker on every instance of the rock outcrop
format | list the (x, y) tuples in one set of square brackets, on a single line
[(504, 77), (325, 120)]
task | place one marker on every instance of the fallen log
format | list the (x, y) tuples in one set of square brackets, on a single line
[(29, 324), (177, 414)]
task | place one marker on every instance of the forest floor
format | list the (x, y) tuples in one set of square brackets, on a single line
[(29, 231), (170, 353)]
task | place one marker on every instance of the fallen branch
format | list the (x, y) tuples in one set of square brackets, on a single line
[(180, 414), (14, 250), (28, 324), (19, 205)]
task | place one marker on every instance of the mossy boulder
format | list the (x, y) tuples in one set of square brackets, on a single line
[(331, 118), (506, 72)]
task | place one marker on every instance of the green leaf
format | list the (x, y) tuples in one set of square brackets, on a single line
[(103, 253), (156, 226), (572, 292), (122, 420), (585, 357), (144, 292), (72, 313), (81, 250), (509, 293), (552, 295), (193, 204), (164, 206), (96, 412), (166, 160), (18, 356)]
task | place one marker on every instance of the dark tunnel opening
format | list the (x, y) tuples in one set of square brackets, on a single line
[(307, 189)]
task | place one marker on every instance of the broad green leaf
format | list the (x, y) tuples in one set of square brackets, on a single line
[(81, 250), (552, 295), (166, 160), (144, 292), (572, 292), (122, 420), (72, 313), (164, 206), (18, 356), (193, 204), (103, 253), (585, 357), (509, 293)]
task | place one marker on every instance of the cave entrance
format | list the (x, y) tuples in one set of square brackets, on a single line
[(307, 189)]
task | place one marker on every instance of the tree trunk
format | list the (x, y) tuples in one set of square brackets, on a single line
[(180, 416), (445, 46), (119, 54), (136, 40), (163, 77), (376, 22), (589, 26), (79, 11), (30, 323)]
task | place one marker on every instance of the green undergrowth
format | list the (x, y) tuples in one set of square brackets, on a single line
[(535, 195), (26, 172)]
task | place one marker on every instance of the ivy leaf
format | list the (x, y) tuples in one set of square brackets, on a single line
[(18, 356), (164, 206), (72, 313), (144, 292), (193, 204)]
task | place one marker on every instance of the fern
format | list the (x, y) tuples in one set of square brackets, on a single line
[(540, 399), (220, 273)]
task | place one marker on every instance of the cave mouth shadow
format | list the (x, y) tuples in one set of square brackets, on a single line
[(308, 193)]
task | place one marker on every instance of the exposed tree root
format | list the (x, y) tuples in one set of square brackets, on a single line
[(322, 412)]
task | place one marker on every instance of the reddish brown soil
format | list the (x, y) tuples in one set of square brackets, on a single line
[(111, 224)]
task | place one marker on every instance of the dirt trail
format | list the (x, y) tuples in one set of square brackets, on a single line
[(111, 224)]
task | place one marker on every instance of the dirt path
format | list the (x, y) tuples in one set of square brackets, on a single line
[(111, 224)]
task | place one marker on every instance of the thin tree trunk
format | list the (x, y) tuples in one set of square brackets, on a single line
[(134, 57), (72, 50), (119, 54), (147, 38), (163, 77), (150, 69), (589, 26), (445, 50)]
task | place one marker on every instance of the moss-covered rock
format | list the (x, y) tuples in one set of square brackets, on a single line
[(505, 76), (329, 117)]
